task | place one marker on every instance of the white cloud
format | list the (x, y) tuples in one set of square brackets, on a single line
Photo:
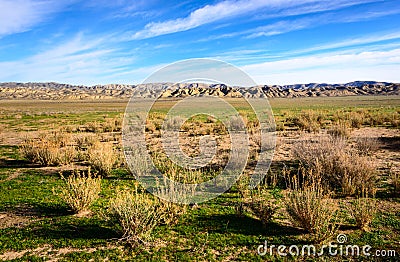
[(18, 16), (329, 67)]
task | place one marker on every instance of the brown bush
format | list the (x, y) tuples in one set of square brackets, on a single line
[(263, 205), (366, 145), (337, 165), (356, 119), (84, 140), (340, 130)]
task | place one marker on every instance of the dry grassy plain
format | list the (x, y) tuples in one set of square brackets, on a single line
[(335, 157)]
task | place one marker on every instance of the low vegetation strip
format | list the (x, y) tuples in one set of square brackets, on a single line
[(336, 161)]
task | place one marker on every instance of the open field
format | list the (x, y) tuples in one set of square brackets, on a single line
[(355, 139)]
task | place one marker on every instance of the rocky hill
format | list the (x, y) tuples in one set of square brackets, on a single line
[(56, 91)]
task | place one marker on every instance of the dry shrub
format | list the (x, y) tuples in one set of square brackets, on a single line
[(138, 164), (137, 213), (358, 174), (356, 119), (175, 196), (237, 123), (395, 123), (363, 211), (93, 127), (83, 140), (340, 130), (309, 121), (337, 165), (173, 123), (263, 205), (150, 127), (49, 149), (112, 124), (102, 157), (366, 145), (173, 203), (80, 191), (395, 180), (66, 155), (310, 208)]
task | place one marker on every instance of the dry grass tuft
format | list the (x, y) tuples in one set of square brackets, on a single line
[(49, 149), (310, 208), (263, 206), (340, 130), (84, 140), (309, 121), (80, 191), (363, 211), (366, 145), (136, 213), (337, 165), (395, 179), (102, 157)]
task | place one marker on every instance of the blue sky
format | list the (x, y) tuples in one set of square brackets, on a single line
[(274, 41)]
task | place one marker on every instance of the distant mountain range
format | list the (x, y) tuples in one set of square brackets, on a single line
[(56, 91)]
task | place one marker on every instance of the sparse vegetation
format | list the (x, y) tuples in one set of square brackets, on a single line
[(263, 205), (394, 176), (309, 121), (340, 130), (32, 218)]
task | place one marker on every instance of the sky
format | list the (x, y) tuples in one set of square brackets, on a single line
[(273, 41)]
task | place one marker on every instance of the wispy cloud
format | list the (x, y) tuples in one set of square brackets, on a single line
[(329, 67), (355, 41), (209, 14), (229, 8), (22, 15), (80, 60), (281, 27), (286, 26)]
